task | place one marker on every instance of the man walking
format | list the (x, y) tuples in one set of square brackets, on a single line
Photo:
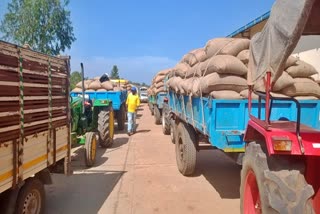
[(133, 102)]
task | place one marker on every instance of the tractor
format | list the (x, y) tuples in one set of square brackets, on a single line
[(91, 119)]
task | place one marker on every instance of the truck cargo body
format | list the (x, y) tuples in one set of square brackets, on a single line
[(224, 121)]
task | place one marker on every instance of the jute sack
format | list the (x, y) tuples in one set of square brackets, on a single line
[(290, 61), (95, 85), (187, 84), (285, 80), (195, 56), (218, 82), (180, 69), (96, 78), (245, 94), (117, 89), (77, 89), (306, 97), (302, 87), (193, 71), (225, 94), (301, 69), (159, 90), (159, 78), (159, 84), (90, 90), (223, 64), (226, 46), (244, 56), (101, 90), (86, 84), (107, 85), (196, 86), (164, 72)]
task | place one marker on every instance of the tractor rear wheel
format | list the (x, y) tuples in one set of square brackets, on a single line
[(157, 115), (90, 148), (151, 109), (121, 117), (263, 190), (106, 127), (185, 149)]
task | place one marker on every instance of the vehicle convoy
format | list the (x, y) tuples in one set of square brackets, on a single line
[(274, 133), (34, 126), (91, 117)]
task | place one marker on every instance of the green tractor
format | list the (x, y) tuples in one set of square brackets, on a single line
[(91, 119)]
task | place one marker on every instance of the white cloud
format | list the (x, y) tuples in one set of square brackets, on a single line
[(137, 69)]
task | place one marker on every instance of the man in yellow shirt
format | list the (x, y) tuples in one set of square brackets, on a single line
[(133, 101)]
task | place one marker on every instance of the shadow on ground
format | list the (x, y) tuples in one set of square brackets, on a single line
[(222, 173), (81, 193)]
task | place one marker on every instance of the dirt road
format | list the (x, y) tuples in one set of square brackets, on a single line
[(138, 175)]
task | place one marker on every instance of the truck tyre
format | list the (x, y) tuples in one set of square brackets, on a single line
[(173, 128), (151, 109), (106, 127), (121, 117), (269, 191), (31, 198), (157, 116), (165, 121), (185, 149), (90, 149)]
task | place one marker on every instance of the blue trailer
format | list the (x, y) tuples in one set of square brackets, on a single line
[(156, 104), (221, 124), (118, 99)]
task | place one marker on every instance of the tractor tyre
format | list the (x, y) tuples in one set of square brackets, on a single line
[(272, 191), (157, 115), (90, 148), (121, 117), (151, 109), (31, 197), (185, 149), (106, 127), (165, 121), (173, 131)]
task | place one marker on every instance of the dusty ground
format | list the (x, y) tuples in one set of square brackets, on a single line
[(138, 175)]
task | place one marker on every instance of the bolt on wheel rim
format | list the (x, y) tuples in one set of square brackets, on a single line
[(32, 203)]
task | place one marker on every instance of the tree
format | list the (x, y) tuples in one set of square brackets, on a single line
[(45, 25), (115, 72), (75, 77)]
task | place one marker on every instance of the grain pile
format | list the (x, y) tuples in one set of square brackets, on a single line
[(94, 84), (157, 85)]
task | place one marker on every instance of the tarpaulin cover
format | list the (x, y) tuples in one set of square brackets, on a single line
[(269, 50)]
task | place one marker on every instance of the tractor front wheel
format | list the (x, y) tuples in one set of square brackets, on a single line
[(157, 115), (106, 127), (165, 121), (121, 117), (90, 148), (264, 190)]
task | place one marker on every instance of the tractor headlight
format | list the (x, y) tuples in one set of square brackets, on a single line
[(282, 144)]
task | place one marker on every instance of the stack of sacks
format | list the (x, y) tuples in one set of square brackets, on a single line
[(158, 82), (95, 85)]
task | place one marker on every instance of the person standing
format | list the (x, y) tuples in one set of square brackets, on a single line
[(133, 101)]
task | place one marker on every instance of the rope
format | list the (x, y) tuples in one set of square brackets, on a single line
[(21, 104)]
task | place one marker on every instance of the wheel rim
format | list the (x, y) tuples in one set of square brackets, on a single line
[(93, 147), (111, 124), (32, 203), (251, 203)]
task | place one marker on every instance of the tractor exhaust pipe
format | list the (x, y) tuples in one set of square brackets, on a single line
[(82, 77)]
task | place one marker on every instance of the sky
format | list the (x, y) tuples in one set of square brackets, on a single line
[(143, 37)]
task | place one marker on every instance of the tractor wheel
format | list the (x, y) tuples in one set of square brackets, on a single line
[(185, 149), (173, 128), (269, 191), (121, 117), (151, 109), (90, 148), (165, 121), (157, 116), (106, 127), (31, 198)]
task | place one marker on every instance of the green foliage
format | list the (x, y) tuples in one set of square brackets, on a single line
[(75, 77), (115, 72), (43, 24)]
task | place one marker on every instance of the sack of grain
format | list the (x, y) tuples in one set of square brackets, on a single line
[(218, 82), (107, 85), (225, 94), (285, 80), (195, 56), (86, 84), (181, 69), (302, 87), (305, 97), (159, 90), (117, 89), (159, 78), (101, 90), (96, 78), (159, 84), (226, 46), (95, 85), (77, 89), (164, 72), (245, 94), (196, 86), (301, 69), (290, 61), (223, 64), (90, 90), (244, 56)]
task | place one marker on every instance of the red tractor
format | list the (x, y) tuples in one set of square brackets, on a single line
[(281, 166)]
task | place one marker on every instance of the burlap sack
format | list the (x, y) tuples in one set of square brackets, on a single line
[(159, 84), (290, 61), (244, 56), (164, 72), (159, 78), (285, 80), (86, 84), (245, 94), (195, 56), (187, 84), (181, 69), (306, 97), (228, 95), (90, 90), (196, 86), (218, 82), (226, 46), (107, 85), (194, 71), (96, 78), (159, 90), (77, 89), (95, 85), (302, 87), (101, 90), (301, 69), (223, 64), (117, 89)]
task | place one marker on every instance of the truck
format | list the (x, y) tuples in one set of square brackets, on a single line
[(156, 105), (275, 139), (34, 127)]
